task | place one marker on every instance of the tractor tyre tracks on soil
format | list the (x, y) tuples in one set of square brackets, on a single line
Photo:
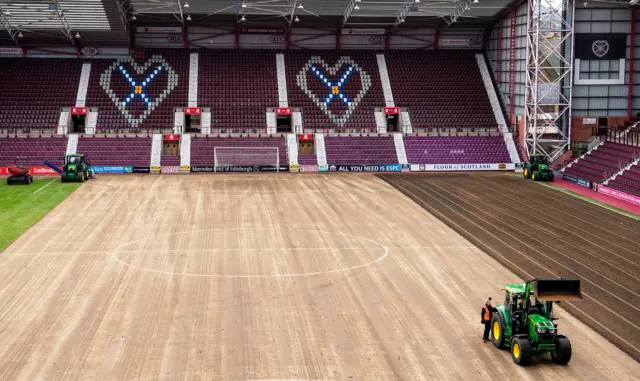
[(538, 232)]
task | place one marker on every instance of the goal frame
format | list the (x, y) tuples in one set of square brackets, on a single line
[(216, 164)]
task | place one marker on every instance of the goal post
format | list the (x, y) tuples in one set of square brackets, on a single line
[(245, 159)]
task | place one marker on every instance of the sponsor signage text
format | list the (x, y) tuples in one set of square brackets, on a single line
[(283, 110), (78, 111), (366, 168), (255, 168), (576, 180), (391, 111), (463, 167), (112, 169), (192, 110), (618, 194)]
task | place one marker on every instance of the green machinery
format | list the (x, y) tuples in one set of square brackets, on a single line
[(76, 168), (537, 168), (525, 322)]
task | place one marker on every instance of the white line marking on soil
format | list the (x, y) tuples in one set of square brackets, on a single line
[(171, 273)]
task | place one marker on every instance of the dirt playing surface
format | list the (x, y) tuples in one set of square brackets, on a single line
[(540, 232), (262, 277)]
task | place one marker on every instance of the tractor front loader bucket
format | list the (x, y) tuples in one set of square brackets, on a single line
[(555, 290)]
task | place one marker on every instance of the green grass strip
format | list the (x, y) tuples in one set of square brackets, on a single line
[(591, 200), (22, 206)]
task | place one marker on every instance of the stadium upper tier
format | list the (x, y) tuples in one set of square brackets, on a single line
[(441, 88), (33, 90), (334, 90), (139, 94)]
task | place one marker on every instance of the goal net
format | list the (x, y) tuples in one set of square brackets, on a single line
[(246, 159)]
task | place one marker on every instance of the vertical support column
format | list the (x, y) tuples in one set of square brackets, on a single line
[(192, 100), (321, 153), (436, 40), (205, 122), (338, 33), (499, 60), (512, 66), (156, 152), (185, 36), (92, 122), (63, 122), (178, 121), (83, 85), (548, 120), (283, 99), (387, 37), (632, 42), (185, 153), (292, 148), (237, 38), (272, 124), (288, 39)]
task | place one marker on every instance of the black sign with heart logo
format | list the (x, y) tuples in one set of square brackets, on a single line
[(591, 46)]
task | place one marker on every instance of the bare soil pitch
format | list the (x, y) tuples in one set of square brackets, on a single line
[(536, 231)]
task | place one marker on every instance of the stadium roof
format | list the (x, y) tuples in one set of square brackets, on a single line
[(106, 22)]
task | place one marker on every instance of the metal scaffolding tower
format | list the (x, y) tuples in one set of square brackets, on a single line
[(549, 77)]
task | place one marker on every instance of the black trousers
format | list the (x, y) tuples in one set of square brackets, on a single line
[(487, 330)]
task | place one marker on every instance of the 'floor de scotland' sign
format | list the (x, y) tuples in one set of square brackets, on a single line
[(608, 46)]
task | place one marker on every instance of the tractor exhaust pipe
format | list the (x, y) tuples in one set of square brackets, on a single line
[(556, 290)]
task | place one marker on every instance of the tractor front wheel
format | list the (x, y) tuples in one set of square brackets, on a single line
[(562, 354), (535, 176), (497, 331), (521, 351)]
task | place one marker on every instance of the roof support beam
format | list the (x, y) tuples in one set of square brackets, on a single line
[(347, 12), (124, 10), (7, 25), (457, 12), (66, 29), (403, 13)]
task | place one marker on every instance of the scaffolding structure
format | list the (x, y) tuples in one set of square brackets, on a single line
[(549, 77)]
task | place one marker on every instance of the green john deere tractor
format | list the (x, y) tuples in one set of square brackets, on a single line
[(525, 322), (76, 168), (537, 168)]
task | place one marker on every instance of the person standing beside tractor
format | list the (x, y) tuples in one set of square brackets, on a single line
[(486, 313)]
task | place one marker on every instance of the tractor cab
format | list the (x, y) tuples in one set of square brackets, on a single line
[(526, 324), (537, 168), (76, 168)]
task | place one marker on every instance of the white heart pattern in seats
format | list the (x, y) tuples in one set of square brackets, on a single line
[(172, 83), (316, 61)]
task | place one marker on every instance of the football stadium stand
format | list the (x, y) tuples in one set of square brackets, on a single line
[(116, 151), (34, 150), (32, 91)]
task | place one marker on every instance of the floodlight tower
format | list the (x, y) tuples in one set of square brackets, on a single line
[(549, 77)]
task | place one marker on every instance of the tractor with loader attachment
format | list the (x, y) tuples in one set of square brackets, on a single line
[(537, 168), (525, 322)]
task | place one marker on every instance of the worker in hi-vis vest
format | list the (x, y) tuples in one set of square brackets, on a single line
[(486, 313)]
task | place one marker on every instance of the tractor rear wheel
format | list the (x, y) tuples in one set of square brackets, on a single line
[(521, 351), (497, 330), (535, 176), (562, 354), (526, 173)]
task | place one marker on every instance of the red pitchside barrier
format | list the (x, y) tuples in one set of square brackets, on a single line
[(36, 170)]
